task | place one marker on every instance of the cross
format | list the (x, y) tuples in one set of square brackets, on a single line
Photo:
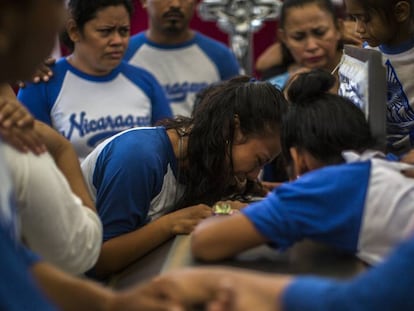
[(240, 19)]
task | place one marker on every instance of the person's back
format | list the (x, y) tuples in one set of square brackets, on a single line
[(183, 61), (388, 26)]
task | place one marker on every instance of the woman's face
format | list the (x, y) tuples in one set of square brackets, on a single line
[(30, 35), (250, 155), (101, 45), (311, 36)]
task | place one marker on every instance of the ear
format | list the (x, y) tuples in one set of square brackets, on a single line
[(238, 136), (72, 30), (341, 28), (299, 164), (402, 11), (281, 35)]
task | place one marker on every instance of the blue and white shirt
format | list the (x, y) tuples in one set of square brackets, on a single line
[(18, 290), (386, 287), (88, 109), (399, 63), (362, 207), (183, 69), (133, 179)]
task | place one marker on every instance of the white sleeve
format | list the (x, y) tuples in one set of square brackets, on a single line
[(54, 223)]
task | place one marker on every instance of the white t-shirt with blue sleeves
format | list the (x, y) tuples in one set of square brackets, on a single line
[(399, 65), (362, 207), (183, 69), (132, 178), (88, 109), (15, 260)]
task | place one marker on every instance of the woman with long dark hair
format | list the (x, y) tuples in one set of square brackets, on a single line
[(150, 184)]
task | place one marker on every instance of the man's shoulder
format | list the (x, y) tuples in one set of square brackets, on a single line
[(215, 49), (134, 70), (138, 37), (203, 39), (135, 43)]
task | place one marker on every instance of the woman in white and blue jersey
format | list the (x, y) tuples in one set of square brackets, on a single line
[(93, 94), (153, 183)]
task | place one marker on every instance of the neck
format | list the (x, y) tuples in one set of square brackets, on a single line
[(169, 38), (334, 66), (406, 34), (77, 62), (179, 143)]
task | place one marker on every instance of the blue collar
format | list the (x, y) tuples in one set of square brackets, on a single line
[(397, 49)]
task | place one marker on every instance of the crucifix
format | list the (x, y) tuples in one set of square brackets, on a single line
[(240, 19)]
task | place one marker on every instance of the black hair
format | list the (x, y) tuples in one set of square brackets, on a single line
[(326, 5), (385, 8), (83, 11), (321, 123), (259, 108)]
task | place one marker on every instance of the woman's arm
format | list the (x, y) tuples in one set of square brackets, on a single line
[(224, 236), (17, 124), (227, 288), (67, 160), (119, 252), (18, 128), (72, 293), (272, 56)]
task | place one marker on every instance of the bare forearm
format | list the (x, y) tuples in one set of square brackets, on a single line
[(7, 91), (67, 160), (251, 290), (71, 293), (119, 252), (219, 237)]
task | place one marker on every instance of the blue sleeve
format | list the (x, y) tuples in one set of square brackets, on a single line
[(388, 286), (34, 97), (393, 157), (221, 55), (126, 179), (325, 205), (39, 98), (135, 42), (161, 108), (18, 290), (280, 81)]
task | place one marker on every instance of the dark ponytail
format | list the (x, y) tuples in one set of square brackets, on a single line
[(321, 123)]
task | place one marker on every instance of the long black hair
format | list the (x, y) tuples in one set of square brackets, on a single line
[(321, 123), (259, 108)]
